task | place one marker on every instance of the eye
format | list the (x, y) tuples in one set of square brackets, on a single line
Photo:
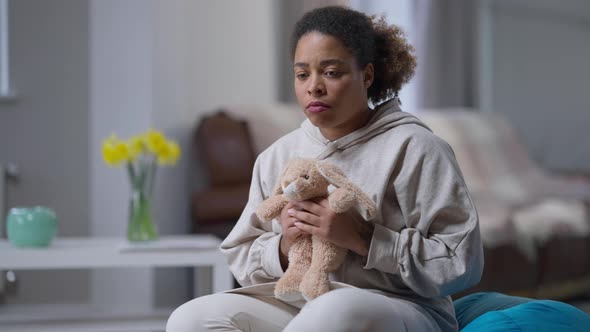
[(306, 177), (301, 76), (333, 73)]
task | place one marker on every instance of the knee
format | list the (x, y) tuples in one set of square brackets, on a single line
[(340, 302), (188, 316), (341, 310)]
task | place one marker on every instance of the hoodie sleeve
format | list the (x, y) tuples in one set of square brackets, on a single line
[(252, 247), (439, 251)]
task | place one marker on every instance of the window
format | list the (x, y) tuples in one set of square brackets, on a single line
[(6, 91), (400, 13)]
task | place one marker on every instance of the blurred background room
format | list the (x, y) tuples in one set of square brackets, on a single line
[(504, 81)]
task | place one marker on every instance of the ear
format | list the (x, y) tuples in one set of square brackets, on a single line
[(368, 75), (334, 175)]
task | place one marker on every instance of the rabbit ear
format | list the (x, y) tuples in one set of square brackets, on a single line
[(333, 174), (365, 205), (336, 177), (278, 188)]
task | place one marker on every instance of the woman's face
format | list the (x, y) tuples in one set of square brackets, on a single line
[(330, 87)]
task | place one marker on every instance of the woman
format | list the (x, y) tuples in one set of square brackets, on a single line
[(424, 243)]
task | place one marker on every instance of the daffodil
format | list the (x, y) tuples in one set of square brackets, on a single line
[(168, 153), (114, 151), (136, 147), (142, 154), (154, 140)]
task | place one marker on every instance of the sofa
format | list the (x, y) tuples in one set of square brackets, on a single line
[(535, 225)]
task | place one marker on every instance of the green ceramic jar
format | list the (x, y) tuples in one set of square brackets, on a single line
[(31, 227)]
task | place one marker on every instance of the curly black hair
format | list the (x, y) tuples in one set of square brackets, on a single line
[(370, 39)]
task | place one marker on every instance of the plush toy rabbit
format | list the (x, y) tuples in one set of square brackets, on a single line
[(310, 258)]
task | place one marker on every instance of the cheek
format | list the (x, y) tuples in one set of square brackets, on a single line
[(300, 92), (354, 91), (344, 91)]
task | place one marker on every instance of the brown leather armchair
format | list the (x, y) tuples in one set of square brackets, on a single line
[(226, 154)]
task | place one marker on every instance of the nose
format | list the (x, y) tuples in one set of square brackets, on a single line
[(316, 86)]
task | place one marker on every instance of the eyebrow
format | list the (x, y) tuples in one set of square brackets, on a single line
[(323, 63)]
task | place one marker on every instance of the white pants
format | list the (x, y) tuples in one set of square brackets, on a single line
[(348, 309)]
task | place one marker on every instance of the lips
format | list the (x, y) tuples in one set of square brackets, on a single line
[(317, 107)]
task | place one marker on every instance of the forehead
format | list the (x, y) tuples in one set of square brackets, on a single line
[(314, 47)]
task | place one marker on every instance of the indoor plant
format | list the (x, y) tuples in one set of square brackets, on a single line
[(141, 155)]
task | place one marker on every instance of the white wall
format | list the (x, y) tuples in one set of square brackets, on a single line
[(206, 54), (121, 102), (45, 131), (539, 76), (86, 69), (165, 64)]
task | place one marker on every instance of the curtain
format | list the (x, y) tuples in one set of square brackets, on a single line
[(445, 33)]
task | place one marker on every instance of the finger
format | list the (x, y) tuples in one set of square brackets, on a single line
[(356, 216), (288, 221), (293, 232), (293, 205), (322, 201), (305, 217), (292, 222), (310, 206), (307, 228)]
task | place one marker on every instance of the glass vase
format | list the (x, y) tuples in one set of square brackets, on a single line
[(141, 225)]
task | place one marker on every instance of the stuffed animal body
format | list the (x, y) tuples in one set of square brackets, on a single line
[(311, 259)]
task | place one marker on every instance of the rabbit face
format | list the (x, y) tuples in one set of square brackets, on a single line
[(303, 181)]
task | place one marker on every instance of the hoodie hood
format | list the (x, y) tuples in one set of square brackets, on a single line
[(386, 116)]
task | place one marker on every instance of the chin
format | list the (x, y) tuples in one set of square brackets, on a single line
[(322, 124), (320, 120)]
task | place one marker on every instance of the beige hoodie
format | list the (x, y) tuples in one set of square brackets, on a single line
[(426, 244)]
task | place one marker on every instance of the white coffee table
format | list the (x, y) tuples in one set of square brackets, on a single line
[(92, 253)]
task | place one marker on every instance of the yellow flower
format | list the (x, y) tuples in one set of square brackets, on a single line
[(154, 141), (175, 151), (122, 150), (168, 153), (114, 151), (152, 144), (136, 147)]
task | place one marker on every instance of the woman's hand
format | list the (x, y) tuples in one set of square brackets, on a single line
[(347, 230), (290, 234)]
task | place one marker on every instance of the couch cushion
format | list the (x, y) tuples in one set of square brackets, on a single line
[(470, 307), (491, 312), (534, 316)]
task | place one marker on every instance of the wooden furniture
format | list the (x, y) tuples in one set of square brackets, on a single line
[(224, 148), (197, 251)]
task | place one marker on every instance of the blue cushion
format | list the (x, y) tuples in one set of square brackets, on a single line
[(470, 307), (509, 313)]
